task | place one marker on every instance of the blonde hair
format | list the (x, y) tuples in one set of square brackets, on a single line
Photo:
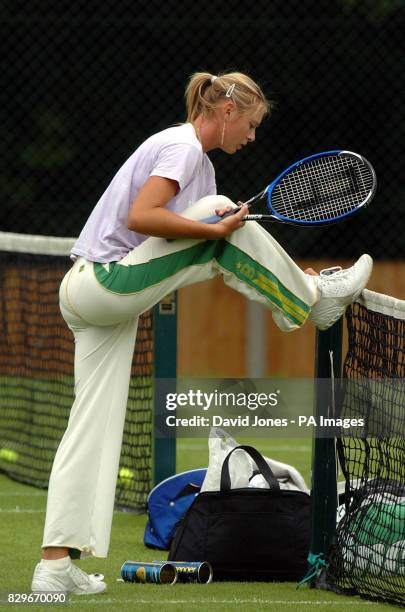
[(204, 92)]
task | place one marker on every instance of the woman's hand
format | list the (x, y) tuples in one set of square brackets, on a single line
[(311, 272), (221, 211), (149, 216), (224, 209), (230, 223)]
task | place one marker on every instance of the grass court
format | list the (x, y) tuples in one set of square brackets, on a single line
[(22, 514)]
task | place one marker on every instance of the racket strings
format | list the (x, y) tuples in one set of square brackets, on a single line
[(323, 188)]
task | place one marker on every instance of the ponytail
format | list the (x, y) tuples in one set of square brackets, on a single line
[(204, 91)]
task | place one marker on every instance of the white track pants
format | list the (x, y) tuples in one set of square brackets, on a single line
[(101, 304)]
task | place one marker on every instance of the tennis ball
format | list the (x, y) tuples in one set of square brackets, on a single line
[(141, 574), (125, 477), (8, 455)]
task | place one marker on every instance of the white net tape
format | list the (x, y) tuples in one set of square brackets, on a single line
[(35, 245), (385, 304)]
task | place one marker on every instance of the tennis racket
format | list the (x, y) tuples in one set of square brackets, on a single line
[(319, 189)]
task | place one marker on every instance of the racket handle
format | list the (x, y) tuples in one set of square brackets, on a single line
[(257, 217), (217, 218), (213, 219)]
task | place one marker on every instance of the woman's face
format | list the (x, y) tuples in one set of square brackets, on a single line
[(240, 128)]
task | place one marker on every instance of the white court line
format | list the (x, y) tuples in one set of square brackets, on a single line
[(205, 602)]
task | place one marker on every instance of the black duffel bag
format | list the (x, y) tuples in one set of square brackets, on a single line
[(249, 533)]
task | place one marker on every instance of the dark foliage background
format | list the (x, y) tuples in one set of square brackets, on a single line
[(84, 83)]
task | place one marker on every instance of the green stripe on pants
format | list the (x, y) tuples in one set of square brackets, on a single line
[(131, 279)]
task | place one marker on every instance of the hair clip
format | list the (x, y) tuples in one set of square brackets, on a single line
[(213, 78), (230, 91)]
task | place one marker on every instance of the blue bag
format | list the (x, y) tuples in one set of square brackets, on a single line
[(167, 504)]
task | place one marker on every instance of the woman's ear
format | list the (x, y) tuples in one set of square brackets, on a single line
[(228, 109)]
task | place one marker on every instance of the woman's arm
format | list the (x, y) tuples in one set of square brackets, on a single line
[(147, 215)]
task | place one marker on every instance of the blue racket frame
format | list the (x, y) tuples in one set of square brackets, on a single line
[(270, 188)]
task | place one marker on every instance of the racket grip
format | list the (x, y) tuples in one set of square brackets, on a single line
[(211, 220), (217, 218)]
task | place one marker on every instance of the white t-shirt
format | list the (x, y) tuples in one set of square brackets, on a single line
[(175, 153)]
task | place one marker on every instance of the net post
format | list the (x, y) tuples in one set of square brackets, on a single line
[(165, 367), (324, 474)]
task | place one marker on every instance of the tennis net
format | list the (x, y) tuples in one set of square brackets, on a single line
[(36, 371), (368, 557)]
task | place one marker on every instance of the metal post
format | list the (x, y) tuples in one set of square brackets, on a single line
[(165, 367), (324, 477)]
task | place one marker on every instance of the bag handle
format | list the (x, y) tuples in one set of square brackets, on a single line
[(261, 463)]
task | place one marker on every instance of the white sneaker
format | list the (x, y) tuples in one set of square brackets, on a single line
[(338, 289), (70, 580)]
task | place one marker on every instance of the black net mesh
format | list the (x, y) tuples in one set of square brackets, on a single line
[(85, 82), (36, 379), (369, 555)]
